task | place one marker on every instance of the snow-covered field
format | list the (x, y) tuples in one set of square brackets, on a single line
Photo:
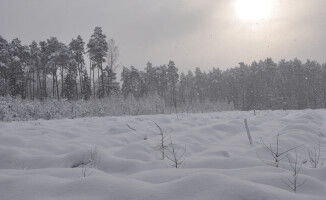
[(43, 160)]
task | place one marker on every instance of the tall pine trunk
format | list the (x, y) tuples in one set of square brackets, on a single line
[(42, 86), (98, 80), (57, 85), (30, 85), (33, 93), (80, 72), (103, 92), (94, 84), (62, 82), (38, 84), (53, 85), (80, 82), (25, 86), (45, 88), (90, 74)]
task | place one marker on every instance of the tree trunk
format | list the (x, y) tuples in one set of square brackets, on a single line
[(38, 82), (33, 93), (25, 86), (76, 92), (80, 71), (45, 88), (62, 81), (103, 92), (53, 85), (42, 87), (110, 74), (90, 74), (98, 80), (57, 85), (30, 85), (6, 83), (94, 84)]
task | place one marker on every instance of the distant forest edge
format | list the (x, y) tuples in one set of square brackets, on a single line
[(51, 70)]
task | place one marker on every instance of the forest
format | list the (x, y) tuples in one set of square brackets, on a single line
[(53, 70)]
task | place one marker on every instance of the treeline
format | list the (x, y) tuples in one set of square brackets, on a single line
[(261, 85), (51, 69), (284, 85)]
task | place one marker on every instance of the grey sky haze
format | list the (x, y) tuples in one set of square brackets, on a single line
[(193, 33)]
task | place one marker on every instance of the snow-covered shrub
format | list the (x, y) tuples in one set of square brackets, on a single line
[(14, 109), (2, 113), (91, 162), (6, 109), (51, 110)]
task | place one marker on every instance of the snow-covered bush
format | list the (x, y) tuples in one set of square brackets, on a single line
[(16, 109)]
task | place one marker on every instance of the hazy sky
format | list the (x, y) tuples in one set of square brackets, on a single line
[(193, 33)]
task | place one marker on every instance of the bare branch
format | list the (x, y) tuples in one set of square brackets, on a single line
[(161, 147), (291, 149), (91, 163), (174, 155), (276, 154), (293, 183), (314, 156), (131, 127)]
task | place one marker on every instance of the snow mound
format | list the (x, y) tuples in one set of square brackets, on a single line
[(103, 158)]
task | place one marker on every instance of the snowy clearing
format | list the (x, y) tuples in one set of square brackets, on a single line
[(103, 158)]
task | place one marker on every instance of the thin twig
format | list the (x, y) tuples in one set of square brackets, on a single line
[(131, 127)]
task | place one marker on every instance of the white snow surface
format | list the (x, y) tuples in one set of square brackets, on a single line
[(41, 160)]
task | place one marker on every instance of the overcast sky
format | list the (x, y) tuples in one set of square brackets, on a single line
[(193, 33)]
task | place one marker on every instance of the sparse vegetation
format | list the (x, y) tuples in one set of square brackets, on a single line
[(276, 152), (161, 147), (92, 162), (293, 183), (314, 156), (15, 109), (176, 155)]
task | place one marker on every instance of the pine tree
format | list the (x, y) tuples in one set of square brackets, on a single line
[(86, 87), (162, 87), (172, 77), (132, 82), (4, 65), (60, 58), (323, 86), (70, 83), (110, 81), (97, 50), (200, 84), (126, 82), (44, 68), (18, 56), (214, 90), (150, 79), (76, 47), (35, 60)]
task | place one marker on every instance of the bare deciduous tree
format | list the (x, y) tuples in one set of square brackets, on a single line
[(277, 154), (162, 146), (314, 156), (176, 156), (112, 54), (293, 182)]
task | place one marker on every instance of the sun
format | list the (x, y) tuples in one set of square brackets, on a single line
[(253, 9)]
